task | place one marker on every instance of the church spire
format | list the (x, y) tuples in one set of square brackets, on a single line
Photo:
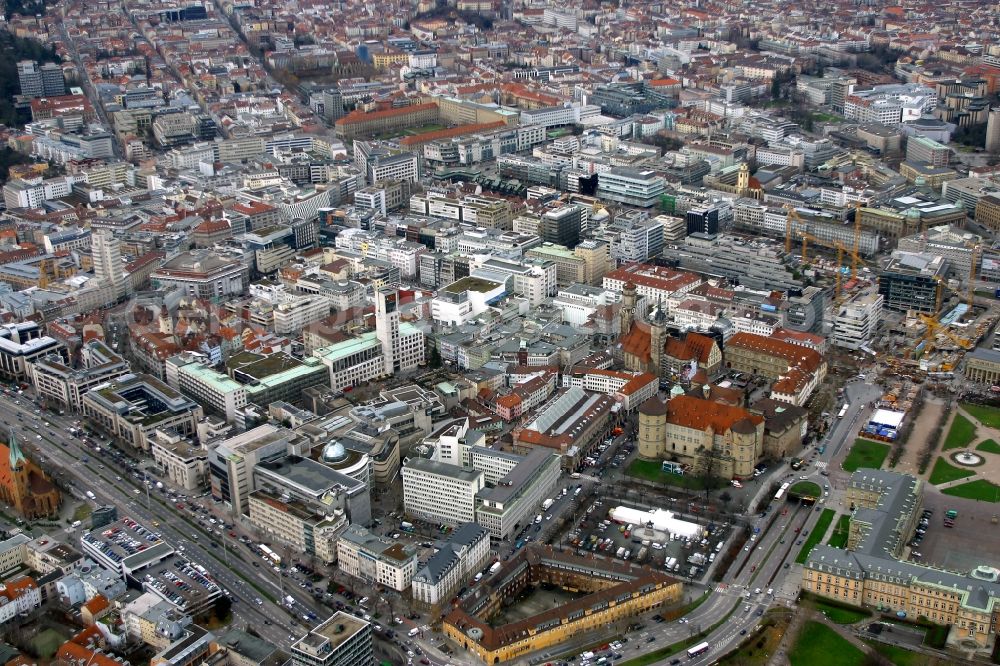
[(16, 456)]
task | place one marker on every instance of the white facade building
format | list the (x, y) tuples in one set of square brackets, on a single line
[(439, 492), (857, 320), (364, 555)]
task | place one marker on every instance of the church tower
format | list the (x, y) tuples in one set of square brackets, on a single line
[(657, 324), (628, 308), (18, 472), (743, 181)]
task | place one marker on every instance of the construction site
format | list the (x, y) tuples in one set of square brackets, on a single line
[(925, 341)]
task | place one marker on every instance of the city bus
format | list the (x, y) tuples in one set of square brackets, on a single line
[(270, 554), (843, 410), (700, 648), (781, 491)]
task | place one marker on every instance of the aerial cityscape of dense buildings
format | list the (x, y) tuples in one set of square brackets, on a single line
[(477, 332)]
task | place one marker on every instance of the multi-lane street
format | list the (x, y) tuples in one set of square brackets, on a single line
[(112, 485), (256, 591)]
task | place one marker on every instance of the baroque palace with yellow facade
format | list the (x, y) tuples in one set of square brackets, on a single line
[(615, 592), (886, 509)]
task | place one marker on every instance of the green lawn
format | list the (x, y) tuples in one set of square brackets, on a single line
[(816, 535), (839, 537), (47, 642), (980, 489), (988, 416), (988, 446), (865, 453), (819, 645), (960, 435), (944, 471), (825, 117), (840, 614), (898, 655), (651, 471), (805, 489), (82, 512)]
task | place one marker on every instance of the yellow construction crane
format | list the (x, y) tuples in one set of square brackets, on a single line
[(840, 273), (973, 259), (791, 215), (857, 240), (935, 327)]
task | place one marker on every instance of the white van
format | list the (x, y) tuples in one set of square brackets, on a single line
[(413, 632)]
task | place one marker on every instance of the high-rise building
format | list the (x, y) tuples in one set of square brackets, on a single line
[(387, 328), (40, 81), (107, 255), (333, 104), (562, 226), (993, 131), (343, 640), (703, 220)]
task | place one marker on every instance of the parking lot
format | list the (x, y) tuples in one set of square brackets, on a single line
[(598, 533), (974, 540)]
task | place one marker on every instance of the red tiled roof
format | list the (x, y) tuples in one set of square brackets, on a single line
[(796, 355), (461, 130), (700, 414), (637, 341), (363, 116)]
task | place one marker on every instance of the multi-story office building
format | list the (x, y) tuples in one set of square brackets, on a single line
[(631, 187), (857, 321), (927, 151), (562, 226), (378, 162), (192, 376), (369, 123), (464, 553), (636, 239), (202, 274), (232, 462), (988, 212), (913, 281), (439, 492), (343, 640), (54, 379), (392, 347), (993, 131), (890, 104), (133, 407), (510, 504), (375, 559), (478, 210), (41, 81), (108, 266), (702, 220)]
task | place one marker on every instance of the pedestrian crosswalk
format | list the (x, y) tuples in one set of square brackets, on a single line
[(721, 587)]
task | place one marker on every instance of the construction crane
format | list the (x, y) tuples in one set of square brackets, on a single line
[(791, 215), (935, 327), (973, 259), (857, 240), (840, 273)]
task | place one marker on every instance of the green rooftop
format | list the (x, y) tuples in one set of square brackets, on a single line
[(265, 366), (215, 380), (553, 250), (471, 284), (306, 367), (348, 348)]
